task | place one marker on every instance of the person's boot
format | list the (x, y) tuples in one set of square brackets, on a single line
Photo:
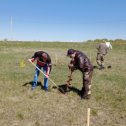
[(101, 67), (82, 92), (86, 96), (45, 89), (34, 85)]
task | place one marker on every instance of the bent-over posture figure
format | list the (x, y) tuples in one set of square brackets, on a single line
[(43, 61), (102, 51), (81, 62)]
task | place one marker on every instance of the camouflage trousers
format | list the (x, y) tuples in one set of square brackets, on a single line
[(100, 59), (86, 89)]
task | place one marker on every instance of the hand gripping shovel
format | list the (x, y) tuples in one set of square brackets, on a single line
[(60, 89)]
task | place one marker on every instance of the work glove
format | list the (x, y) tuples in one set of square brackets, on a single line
[(29, 60), (71, 67), (47, 76)]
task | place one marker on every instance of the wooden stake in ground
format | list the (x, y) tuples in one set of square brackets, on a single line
[(88, 116)]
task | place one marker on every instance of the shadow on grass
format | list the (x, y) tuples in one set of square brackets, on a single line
[(108, 67), (95, 67), (31, 82), (61, 88), (64, 89)]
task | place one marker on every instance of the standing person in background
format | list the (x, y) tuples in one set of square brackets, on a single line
[(81, 62), (102, 51), (43, 61)]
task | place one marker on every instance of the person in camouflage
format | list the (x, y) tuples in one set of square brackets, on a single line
[(102, 51), (43, 61), (81, 62)]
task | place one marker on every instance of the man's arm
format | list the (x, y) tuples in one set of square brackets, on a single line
[(71, 66), (31, 59)]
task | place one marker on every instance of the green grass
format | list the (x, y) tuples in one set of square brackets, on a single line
[(19, 106)]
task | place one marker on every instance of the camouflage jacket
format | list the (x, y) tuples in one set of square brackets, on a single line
[(81, 62), (102, 48)]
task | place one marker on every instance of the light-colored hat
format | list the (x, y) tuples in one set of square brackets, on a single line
[(108, 45)]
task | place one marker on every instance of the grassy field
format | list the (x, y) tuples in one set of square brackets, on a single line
[(19, 106)]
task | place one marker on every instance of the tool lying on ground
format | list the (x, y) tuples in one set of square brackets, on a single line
[(60, 89)]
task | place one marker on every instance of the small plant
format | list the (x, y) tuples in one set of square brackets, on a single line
[(20, 116), (37, 123), (94, 112)]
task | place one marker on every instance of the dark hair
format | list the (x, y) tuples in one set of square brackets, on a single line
[(70, 51)]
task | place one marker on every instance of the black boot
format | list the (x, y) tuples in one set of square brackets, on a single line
[(101, 67), (84, 94)]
